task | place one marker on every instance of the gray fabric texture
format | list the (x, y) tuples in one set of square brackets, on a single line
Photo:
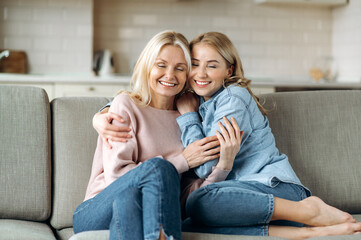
[(349, 237), (204, 236), (64, 234), (74, 143), (24, 230), (104, 235), (25, 153), (321, 134), (91, 235)]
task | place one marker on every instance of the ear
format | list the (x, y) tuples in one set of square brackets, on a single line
[(230, 71)]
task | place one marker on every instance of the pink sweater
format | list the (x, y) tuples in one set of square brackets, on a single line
[(155, 133)]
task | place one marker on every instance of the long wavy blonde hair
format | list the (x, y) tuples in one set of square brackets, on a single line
[(140, 77), (224, 46)]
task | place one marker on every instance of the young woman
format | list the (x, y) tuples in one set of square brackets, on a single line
[(134, 187), (260, 186)]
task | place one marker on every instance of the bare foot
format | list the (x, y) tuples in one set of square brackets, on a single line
[(339, 229), (296, 233), (318, 213)]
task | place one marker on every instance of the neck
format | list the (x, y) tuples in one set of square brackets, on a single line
[(163, 103)]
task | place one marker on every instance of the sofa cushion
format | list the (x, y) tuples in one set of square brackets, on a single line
[(104, 235), (74, 142), (24, 230), (24, 153), (91, 235), (65, 233), (320, 133)]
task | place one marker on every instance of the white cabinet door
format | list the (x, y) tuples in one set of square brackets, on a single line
[(88, 90)]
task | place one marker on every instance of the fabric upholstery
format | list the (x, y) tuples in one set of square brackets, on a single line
[(24, 230), (64, 234), (74, 142), (92, 235), (24, 153), (204, 236), (320, 133)]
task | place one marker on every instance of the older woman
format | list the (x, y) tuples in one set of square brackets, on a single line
[(134, 187)]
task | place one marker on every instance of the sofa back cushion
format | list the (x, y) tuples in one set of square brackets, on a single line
[(320, 132), (74, 142), (25, 187)]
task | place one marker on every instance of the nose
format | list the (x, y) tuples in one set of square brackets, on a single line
[(201, 72), (170, 74)]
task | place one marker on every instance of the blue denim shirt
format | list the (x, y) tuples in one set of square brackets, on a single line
[(258, 158)]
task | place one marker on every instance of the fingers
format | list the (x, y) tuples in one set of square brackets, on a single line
[(206, 140), (106, 143), (211, 144), (220, 138), (113, 116), (225, 133), (213, 151), (232, 128), (237, 131)]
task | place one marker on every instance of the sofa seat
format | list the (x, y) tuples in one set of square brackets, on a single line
[(65, 233), (104, 235), (46, 155), (24, 230)]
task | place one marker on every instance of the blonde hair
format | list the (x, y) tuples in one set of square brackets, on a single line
[(140, 77), (223, 45)]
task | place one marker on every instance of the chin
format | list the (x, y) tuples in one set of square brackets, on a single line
[(200, 92)]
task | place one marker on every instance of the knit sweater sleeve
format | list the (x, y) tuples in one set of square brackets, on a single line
[(123, 156)]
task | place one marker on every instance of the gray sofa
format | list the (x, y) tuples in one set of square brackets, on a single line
[(47, 148)]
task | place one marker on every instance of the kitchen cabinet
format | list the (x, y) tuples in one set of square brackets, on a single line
[(89, 89), (326, 3), (70, 86), (55, 90)]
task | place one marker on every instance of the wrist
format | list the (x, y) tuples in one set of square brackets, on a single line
[(224, 166), (184, 111)]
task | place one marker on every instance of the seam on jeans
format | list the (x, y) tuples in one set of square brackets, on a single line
[(116, 217), (82, 206), (160, 215), (265, 230), (270, 208)]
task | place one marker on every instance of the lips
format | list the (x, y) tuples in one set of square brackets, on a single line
[(202, 83), (167, 84)]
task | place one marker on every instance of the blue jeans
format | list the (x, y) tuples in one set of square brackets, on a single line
[(237, 207), (138, 205)]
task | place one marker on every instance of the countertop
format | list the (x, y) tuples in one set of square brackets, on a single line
[(62, 78), (125, 79)]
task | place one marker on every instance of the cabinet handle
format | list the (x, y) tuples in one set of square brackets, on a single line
[(91, 88)]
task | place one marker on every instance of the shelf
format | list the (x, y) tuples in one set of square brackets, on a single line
[(325, 3)]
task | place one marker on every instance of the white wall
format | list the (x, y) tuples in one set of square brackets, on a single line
[(346, 37), (273, 40), (56, 35)]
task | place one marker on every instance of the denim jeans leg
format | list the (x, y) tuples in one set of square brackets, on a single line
[(235, 204), (127, 209), (231, 204), (137, 205), (161, 197)]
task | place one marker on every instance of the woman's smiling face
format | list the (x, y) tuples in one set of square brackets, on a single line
[(209, 69), (168, 74)]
